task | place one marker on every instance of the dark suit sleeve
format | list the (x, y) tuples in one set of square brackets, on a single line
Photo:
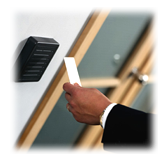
[(126, 126)]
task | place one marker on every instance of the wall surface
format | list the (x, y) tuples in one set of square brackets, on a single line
[(64, 28)]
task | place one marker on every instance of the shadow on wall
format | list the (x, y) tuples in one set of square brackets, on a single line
[(16, 54), (18, 50)]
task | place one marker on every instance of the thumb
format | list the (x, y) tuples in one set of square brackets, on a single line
[(68, 87)]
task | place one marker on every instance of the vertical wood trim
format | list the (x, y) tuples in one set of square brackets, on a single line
[(90, 136), (55, 90)]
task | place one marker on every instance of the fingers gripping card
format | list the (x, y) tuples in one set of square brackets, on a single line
[(72, 70)]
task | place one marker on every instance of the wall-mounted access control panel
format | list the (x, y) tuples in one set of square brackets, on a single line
[(34, 58)]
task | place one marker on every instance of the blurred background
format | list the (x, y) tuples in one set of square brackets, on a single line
[(119, 56)]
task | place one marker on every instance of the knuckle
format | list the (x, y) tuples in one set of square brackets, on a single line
[(93, 89), (75, 92), (72, 103)]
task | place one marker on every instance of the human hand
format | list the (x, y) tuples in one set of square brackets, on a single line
[(86, 104)]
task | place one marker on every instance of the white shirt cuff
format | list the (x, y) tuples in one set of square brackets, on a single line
[(106, 112)]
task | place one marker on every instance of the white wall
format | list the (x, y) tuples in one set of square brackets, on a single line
[(64, 28)]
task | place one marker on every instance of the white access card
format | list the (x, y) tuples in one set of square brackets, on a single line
[(72, 70)]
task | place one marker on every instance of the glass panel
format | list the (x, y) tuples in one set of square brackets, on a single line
[(114, 42), (144, 100), (118, 35)]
